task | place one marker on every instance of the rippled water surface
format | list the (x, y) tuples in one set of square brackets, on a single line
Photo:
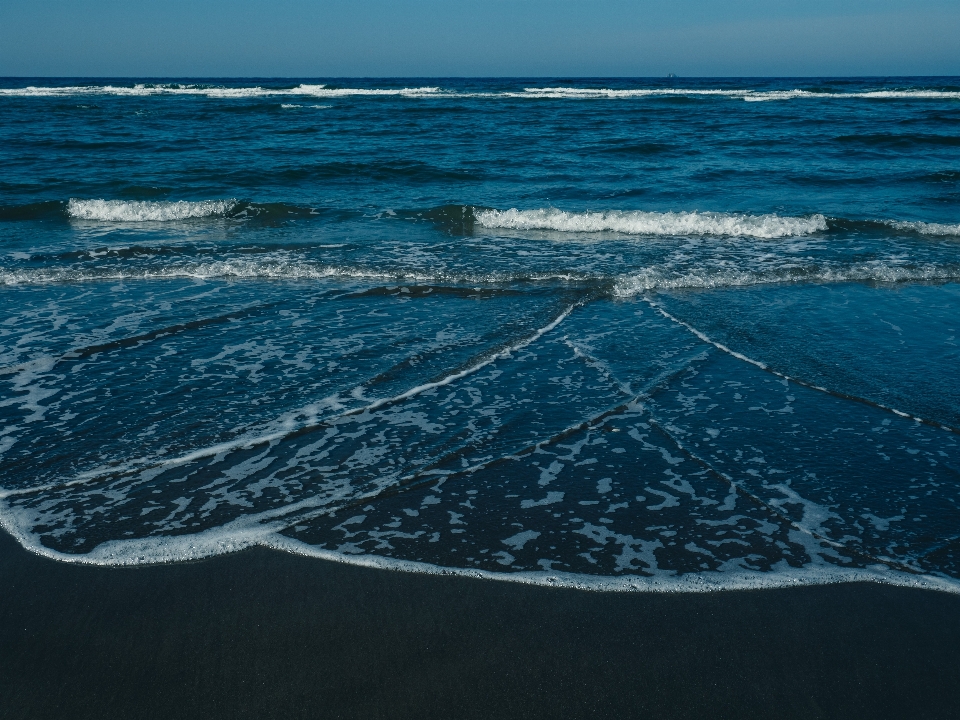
[(644, 334)]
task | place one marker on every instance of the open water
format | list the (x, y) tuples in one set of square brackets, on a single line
[(622, 334)]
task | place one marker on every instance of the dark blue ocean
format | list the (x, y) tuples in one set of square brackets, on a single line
[(621, 334)]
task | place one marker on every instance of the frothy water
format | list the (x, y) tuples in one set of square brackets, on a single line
[(146, 211), (653, 223), (513, 330), (556, 93), (218, 92)]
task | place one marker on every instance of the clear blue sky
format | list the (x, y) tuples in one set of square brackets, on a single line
[(478, 37)]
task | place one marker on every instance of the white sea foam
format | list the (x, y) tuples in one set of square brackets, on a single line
[(322, 91), (146, 211), (266, 269), (653, 223), (904, 94), (594, 93), (139, 90), (572, 93), (781, 95), (655, 278), (247, 532), (925, 228), (629, 284), (747, 95), (144, 90)]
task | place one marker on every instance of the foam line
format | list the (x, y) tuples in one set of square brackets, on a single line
[(558, 93), (244, 533), (651, 278), (267, 269), (146, 90), (747, 95), (653, 223), (797, 381), (925, 228), (146, 211), (687, 583)]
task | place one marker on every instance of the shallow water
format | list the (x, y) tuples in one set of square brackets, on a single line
[(617, 334)]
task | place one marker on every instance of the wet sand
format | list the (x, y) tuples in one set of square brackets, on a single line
[(263, 634)]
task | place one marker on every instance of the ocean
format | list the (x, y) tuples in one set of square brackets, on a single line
[(640, 335)]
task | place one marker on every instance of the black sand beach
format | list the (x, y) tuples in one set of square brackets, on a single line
[(262, 634)]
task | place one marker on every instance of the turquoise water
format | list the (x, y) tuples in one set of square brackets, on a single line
[(636, 334)]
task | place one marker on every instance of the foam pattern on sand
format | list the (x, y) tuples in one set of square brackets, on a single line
[(619, 334), (675, 467)]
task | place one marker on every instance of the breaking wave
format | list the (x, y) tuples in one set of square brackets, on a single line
[(273, 269), (653, 223), (654, 278), (145, 89), (573, 93), (925, 228), (146, 210)]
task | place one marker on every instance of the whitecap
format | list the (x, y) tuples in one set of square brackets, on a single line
[(146, 211), (655, 278), (653, 223), (925, 228)]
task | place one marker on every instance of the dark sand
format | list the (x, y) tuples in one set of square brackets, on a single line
[(262, 634)]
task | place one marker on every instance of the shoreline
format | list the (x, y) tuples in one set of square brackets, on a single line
[(262, 633)]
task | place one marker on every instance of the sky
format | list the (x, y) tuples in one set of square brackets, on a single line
[(443, 38)]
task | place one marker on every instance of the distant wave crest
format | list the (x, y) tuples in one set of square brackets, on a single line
[(143, 90), (572, 93), (653, 223)]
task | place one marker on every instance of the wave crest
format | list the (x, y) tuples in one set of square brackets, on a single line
[(276, 269), (925, 228), (651, 279), (653, 223), (571, 93), (146, 210), (144, 90)]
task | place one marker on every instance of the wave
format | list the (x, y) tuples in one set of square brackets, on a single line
[(463, 219), (139, 211), (246, 533), (596, 93), (652, 279), (748, 95), (325, 91), (146, 210), (149, 211), (145, 90), (271, 269), (265, 531), (653, 223), (624, 285), (925, 228)]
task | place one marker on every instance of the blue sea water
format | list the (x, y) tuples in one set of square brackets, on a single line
[(623, 334)]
